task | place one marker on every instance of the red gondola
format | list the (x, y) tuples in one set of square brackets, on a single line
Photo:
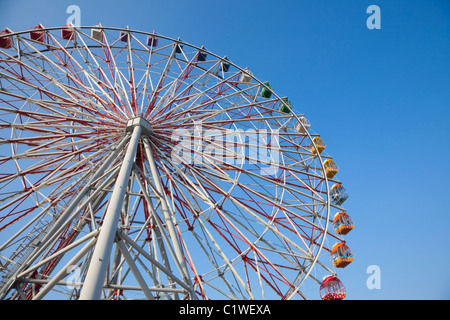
[(37, 34), (332, 289), (68, 33), (6, 42)]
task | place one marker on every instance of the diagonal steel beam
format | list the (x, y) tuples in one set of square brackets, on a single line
[(96, 273)]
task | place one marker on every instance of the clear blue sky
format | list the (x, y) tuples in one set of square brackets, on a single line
[(379, 98)]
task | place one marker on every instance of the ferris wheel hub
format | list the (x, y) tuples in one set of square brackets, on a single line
[(139, 121)]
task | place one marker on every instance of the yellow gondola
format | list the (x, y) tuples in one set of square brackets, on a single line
[(317, 145), (331, 168)]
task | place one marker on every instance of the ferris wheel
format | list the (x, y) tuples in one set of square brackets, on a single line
[(137, 166)]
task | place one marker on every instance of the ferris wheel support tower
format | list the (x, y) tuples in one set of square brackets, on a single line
[(95, 277)]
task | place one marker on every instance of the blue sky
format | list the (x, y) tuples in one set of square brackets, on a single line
[(379, 98)]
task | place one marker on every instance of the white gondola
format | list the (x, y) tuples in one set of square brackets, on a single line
[(302, 125), (338, 194), (246, 76), (97, 34)]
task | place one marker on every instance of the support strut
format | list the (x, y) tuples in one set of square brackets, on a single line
[(96, 273)]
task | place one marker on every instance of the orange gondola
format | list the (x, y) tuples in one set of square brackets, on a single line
[(341, 255), (342, 223)]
